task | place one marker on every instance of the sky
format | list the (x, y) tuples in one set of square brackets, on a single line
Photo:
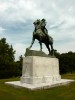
[(17, 17)]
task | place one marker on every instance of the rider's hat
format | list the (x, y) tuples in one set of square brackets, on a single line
[(43, 20)]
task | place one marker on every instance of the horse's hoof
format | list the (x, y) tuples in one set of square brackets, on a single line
[(27, 48), (41, 50), (49, 54)]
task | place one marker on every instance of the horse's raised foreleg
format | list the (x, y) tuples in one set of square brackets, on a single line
[(31, 43)]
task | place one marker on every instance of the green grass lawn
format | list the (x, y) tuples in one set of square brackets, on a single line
[(66, 92)]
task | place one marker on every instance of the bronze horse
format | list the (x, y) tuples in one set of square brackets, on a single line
[(42, 38)]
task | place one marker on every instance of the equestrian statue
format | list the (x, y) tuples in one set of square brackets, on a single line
[(41, 34)]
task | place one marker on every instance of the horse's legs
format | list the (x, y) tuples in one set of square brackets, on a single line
[(40, 39), (48, 48), (31, 43), (52, 50), (40, 46), (52, 47)]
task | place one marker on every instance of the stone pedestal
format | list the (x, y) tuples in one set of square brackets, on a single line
[(40, 73), (38, 70)]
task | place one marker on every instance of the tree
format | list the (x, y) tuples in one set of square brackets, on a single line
[(19, 65), (6, 58), (67, 62)]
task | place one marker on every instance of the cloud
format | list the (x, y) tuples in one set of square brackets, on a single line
[(1, 29), (19, 10), (17, 16), (20, 48)]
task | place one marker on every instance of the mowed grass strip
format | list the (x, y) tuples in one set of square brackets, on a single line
[(66, 92)]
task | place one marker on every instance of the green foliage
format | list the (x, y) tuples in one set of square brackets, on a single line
[(67, 62), (19, 65), (6, 51), (8, 67)]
